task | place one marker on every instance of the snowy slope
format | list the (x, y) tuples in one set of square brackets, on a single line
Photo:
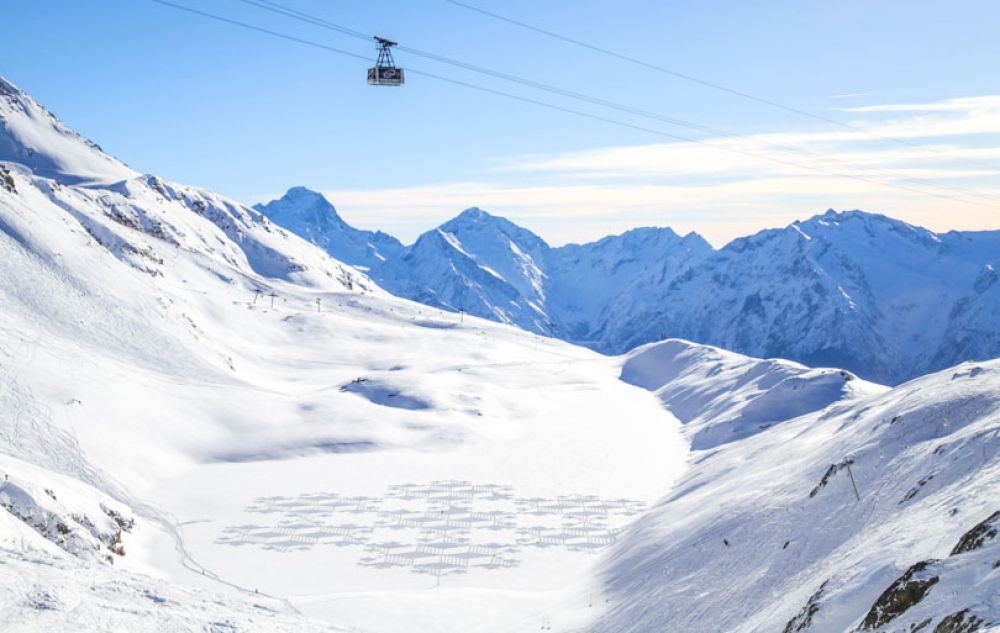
[(30, 135), (721, 396), (280, 436), (884, 299), (91, 255), (42, 592), (765, 533), (62, 546)]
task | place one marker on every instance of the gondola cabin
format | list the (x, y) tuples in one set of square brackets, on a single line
[(385, 76), (385, 72)]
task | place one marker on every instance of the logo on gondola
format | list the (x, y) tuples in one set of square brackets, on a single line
[(388, 73)]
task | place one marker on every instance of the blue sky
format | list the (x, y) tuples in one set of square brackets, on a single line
[(249, 115)]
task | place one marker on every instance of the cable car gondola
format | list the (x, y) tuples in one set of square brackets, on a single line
[(385, 72)]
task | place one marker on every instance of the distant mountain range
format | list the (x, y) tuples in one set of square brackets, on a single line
[(877, 296)]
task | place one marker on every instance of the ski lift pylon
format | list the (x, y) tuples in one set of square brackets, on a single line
[(385, 72)]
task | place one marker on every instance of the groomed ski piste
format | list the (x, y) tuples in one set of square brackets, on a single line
[(210, 425)]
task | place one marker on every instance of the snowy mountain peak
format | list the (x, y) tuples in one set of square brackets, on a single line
[(475, 214), (138, 220), (474, 217), (832, 215), (309, 214), (791, 237), (832, 218), (302, 204), (863, 224), (477, 221), (303, 193), (9, 89), (34, 137), (643, 235), (304, 196)]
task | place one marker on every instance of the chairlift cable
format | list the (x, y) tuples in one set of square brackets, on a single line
[(276, 7), (563, 109), (260, 29), (717, 86)]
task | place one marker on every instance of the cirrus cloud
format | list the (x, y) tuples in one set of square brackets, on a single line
[(927, 163)]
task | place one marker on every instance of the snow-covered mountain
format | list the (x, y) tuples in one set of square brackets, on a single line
[(478, 263), (865, 292), (310, 215), (487, 266), (33, 137), (880, 297), (875, 512), (208, 424), (595, 277)]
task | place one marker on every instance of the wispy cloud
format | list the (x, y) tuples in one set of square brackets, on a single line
[(851, 95), (727, 187), (962, 105)]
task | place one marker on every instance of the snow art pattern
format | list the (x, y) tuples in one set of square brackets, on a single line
[(440, 528)]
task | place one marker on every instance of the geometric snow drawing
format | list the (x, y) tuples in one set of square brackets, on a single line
[(439, 528)]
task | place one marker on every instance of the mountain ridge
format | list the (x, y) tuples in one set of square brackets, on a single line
[(841, 288)]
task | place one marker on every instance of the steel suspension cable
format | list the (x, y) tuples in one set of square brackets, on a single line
[(281, 9), (711, 84), (563, 109)]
